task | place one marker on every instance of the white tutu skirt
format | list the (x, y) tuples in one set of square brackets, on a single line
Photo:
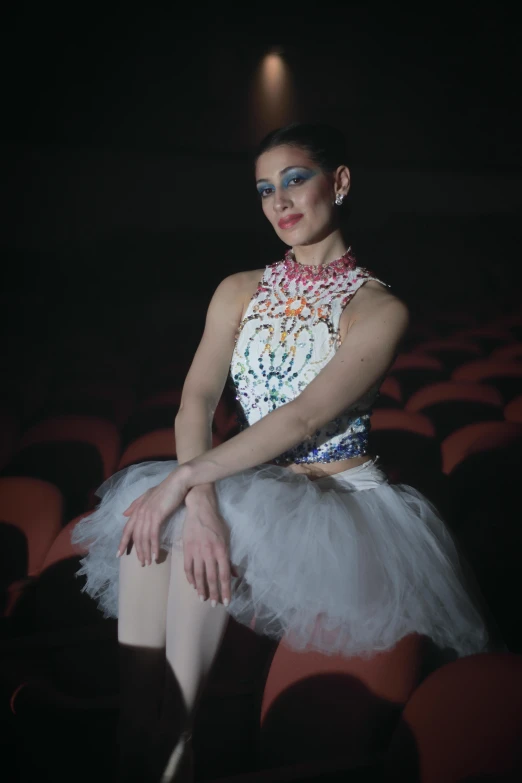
[(345, 564)]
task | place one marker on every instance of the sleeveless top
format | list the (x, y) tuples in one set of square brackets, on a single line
[(289, 332)]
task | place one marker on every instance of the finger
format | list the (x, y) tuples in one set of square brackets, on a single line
[(126, 537), (188, 565), (224, 579), (199, 575), (211, 573), (138, 536), (145, 537), (154, 541)]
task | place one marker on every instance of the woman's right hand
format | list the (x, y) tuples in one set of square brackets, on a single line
[(206, 546)]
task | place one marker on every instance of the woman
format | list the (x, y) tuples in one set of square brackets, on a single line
[(291, 522)]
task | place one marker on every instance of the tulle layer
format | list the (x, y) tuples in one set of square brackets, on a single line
[(345, 564)]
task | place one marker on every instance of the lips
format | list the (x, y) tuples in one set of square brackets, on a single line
[(289, 221)]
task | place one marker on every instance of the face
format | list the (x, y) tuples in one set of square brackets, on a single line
[(297, 196)]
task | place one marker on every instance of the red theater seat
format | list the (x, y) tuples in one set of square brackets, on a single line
[(414, 370), (463, 723), (479, 437), (30, 519), (451, 352), (160, 444), (225, 422), (157, 445), (395, 433), (508, 353), (99, 433), (146, 420), (513, 410), (408, 450), (488, 337), (402, 420), (35, 507), (62, 547), (506, 376), (318, 706), (76, 453), (450, 405), (482, 463)]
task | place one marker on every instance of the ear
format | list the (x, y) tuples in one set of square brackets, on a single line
[(342, 179)]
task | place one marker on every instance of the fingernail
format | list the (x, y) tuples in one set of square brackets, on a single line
[(226, 602), (118, 553), (154, 556), (213, 603), (201, 598)]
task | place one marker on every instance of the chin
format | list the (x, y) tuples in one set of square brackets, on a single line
[(303, 239), (292, 238)]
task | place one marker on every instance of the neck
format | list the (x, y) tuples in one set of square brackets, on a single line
[(323, 252)]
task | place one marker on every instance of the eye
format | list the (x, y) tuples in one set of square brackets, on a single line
[(296, 180), (264, 192)]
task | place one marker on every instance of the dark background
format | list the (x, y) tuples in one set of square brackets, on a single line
[(126, 148), (127, 193)]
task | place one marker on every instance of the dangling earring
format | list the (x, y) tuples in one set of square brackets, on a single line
[(339, 199)]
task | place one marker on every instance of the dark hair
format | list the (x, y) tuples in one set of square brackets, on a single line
[(325, 145)]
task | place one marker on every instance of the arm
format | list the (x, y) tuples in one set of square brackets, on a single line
[(378, 324), (208, 372), (205, 541), (203, 527)]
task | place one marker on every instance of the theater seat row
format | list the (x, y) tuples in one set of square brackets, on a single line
[(433, 724)]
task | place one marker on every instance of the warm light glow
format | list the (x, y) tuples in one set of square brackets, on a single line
[(273, 72), (272, 98)]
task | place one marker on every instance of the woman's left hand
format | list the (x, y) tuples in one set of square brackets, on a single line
[(148, 512)]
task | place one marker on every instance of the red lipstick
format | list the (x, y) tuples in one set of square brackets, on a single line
[(289, 221)]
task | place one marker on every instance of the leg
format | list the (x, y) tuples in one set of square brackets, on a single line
[(194, 633), (143, 596)]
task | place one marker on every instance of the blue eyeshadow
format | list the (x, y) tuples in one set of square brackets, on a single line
[(304, 174)]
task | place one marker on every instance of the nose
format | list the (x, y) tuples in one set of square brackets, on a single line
[(281, 201)]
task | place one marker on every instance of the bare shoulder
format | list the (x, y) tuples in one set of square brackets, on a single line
[(374, 296), (240, 282), (234, 292), (373, 306), (238, 289)]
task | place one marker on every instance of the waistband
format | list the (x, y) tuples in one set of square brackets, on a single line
[(366, 476)]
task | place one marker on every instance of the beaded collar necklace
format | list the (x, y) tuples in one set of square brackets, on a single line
[(295, 270)]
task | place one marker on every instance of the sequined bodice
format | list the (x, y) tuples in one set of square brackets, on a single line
[(289, 332)]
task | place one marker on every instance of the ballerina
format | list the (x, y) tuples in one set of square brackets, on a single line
[(291, 527)]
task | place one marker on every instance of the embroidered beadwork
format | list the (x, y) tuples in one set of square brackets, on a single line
[(289, 332)]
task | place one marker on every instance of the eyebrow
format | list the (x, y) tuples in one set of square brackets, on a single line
[(283, 171)]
